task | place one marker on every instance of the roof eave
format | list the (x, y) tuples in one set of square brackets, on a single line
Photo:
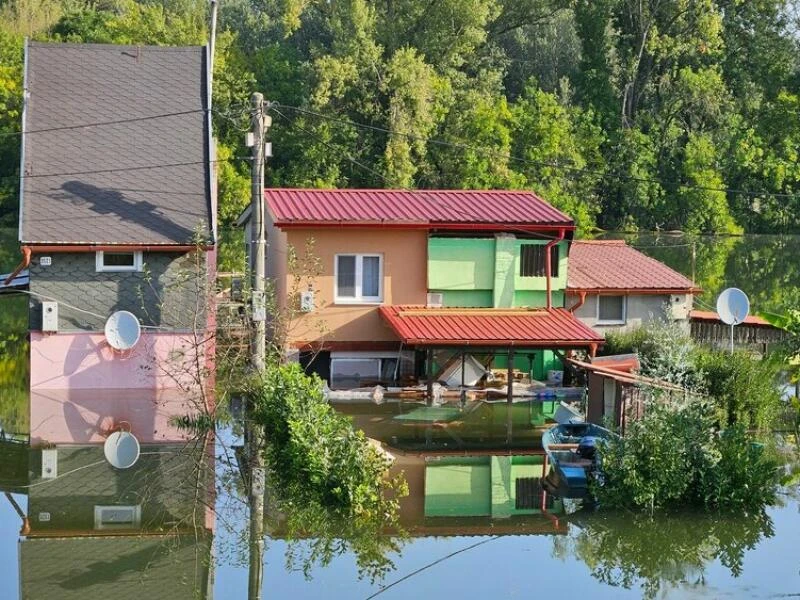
[(631, 290)]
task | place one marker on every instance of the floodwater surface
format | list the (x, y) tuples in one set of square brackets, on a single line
[(462, 538)]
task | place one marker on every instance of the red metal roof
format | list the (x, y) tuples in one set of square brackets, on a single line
[(428, 208), (707, 315), (532, 328), (612, 265)]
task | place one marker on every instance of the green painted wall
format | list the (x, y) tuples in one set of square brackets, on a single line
[(505, 263), (484, 272), (466, 298), (543, 361), (460, 264)]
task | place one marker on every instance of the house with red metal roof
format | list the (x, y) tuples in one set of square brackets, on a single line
[(402, 278), (612, 286)]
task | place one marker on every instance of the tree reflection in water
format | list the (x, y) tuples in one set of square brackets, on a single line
[(663, 550)]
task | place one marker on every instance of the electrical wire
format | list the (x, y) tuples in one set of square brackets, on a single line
[(121, 169), (431, 564), (104, 123), (555, 165)]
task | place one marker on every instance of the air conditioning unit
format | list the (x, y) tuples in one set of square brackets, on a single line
[(435, 301), (50, 316), (307, 301)]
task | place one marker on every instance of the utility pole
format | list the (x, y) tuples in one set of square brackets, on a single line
[(254, 433)]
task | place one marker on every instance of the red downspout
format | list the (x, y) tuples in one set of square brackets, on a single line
[(548, 267), (26, 260), (579, 303)]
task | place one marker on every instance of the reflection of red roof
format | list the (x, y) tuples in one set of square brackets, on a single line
[(398, 208), (707, 315), (532, 328), (613, 266)]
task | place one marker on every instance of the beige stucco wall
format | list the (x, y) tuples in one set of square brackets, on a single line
[(404, 280), (640, 310)]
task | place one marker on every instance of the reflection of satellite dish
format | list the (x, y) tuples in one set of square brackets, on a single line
[(121, 449), (122, 330), (733, 306)]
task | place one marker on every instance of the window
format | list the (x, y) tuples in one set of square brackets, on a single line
[(531, 260), (359, 278), (611, 310), (117, 517), (118, 261), (364, 369)]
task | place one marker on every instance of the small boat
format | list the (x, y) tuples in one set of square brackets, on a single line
[(572, 451)]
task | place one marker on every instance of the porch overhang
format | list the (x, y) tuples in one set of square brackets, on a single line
[(490, 327)]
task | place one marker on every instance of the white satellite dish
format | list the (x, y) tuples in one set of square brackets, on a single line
[(121, 449), (122, 330), (733, 306)]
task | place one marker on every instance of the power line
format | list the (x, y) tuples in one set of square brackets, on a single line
[(417, 192), (140, 168), (104, 123), (554, 165)]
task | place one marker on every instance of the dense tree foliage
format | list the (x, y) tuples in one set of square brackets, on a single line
[(655, 114)]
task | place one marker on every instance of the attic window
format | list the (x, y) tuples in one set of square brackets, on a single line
[(611, 310), (118, 261), (531, 260)]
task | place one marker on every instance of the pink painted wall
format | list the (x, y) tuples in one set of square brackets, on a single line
[(81, 389)]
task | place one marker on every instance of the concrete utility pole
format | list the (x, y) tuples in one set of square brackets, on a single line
[(254, 433)]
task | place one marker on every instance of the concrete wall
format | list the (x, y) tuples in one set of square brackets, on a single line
[(404, 282), (484, 272), (640, 309), (164, 293)]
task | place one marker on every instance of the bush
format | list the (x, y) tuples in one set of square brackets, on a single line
[(674, 456), (314, 454), (742, 387)]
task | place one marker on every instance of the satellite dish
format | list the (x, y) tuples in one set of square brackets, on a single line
[(121, 449), (733, 306), (122, 330)]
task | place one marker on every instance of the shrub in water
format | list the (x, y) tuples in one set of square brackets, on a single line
[(314, 454), (674, 456)]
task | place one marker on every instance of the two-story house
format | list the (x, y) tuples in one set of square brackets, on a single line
[(116, 215), (404, 276)]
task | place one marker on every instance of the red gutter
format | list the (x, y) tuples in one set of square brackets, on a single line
[(548, 267), (579, 303), (26, 261), (38, 249)]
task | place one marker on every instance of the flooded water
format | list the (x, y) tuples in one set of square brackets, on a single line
[(174, 525)]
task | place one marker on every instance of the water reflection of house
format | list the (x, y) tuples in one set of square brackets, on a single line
[(471, 470), (406, 275), (116, 195), (99, 532)]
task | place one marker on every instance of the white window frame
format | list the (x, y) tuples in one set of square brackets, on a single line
[(98, 517), (624, 319), (101, 267), (358, 298)]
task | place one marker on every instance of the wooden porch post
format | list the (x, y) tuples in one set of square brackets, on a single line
[(463, 375)]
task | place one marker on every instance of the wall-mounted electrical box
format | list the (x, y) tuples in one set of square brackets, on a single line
[(307, 301), (49, 316), (49, 463)]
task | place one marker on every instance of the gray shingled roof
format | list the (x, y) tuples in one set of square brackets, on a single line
[(138, 182)]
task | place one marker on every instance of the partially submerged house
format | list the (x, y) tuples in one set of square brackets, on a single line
[(614, 287), (404, 278), (116, 214)]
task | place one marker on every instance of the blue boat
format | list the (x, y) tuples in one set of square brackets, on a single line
[(572, 451)]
